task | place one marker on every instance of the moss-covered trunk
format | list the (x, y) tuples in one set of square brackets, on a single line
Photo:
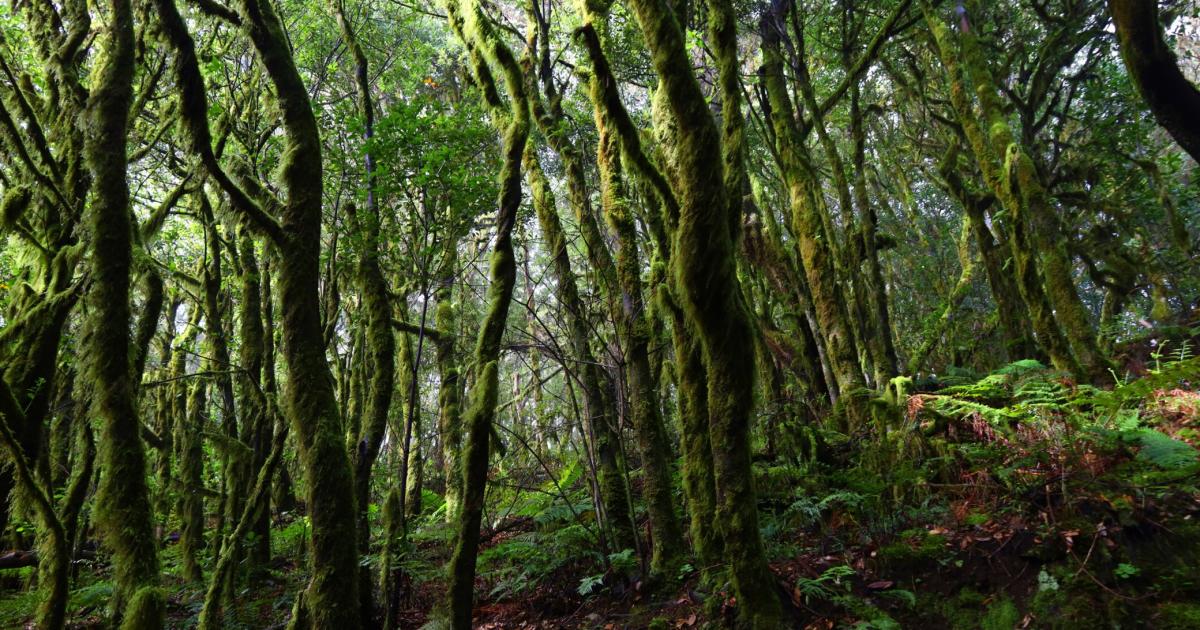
[(601, 420), (122, 500), (233, 463), (880, 342), (1152, 67), (189, 412), (380, 340), (597, 417), (1000, 157), (332, 599), (256, 422), (634, 334), (467, 20), (54, 551), (816, 257), (705, 272), (449, 391), (698, 482)]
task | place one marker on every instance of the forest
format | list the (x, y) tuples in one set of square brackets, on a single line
[(605, 314)]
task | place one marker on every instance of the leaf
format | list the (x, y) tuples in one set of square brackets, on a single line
[(1163, 450), (881, 585)]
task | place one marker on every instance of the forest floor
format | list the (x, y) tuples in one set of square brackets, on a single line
[(1016, 499)]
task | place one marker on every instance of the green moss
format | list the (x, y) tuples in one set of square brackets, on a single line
[(467, 19), (667, 546), (1178, 616), (1001, 615), (914, 552), (146, 609)]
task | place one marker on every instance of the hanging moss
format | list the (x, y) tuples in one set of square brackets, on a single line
[(122, 499)]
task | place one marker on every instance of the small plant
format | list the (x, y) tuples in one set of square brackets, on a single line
[(623, 561), (589, 584), (820, 586), (1125, 571), (1046, 582), (908, 598), (684, 571)]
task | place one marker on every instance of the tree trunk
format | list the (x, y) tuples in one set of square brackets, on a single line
[(122, 500)]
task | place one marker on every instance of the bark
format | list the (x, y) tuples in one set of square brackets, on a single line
[(332, 598), (219, 361), (1152, 67), (816, 256), (472, 28), (122, 502), (390, 573), (705, 271), (188, 416)]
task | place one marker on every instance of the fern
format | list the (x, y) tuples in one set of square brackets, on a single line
[(1040, 392), (1024, 366), (820, 586), (1170, 376), (1162, 450), (993, 387)]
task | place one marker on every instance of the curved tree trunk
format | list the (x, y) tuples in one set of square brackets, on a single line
[(705, 270), (1174, 101), (123, 500), (476, 33)]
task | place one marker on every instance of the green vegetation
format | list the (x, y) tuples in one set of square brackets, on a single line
[(755, 314)]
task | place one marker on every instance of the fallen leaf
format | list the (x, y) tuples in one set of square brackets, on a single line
[(881, 585)]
